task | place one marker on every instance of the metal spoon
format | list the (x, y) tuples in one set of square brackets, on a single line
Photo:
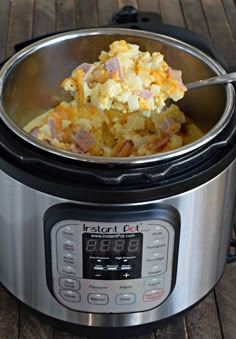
[(220, 79)]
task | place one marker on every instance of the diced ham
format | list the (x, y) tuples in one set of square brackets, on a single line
[(123, 148), (161, 142), (75, 149), (47, 141), (165, 125), (84, 140), (52, 126), (34, 132), (177, 75), (114, 65), (174, 128), (170, 127), (145, 93), (60, 136), (87, 68)]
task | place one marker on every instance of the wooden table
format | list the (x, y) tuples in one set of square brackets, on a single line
[(215, 316)]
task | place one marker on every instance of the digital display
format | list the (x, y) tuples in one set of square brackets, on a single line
[(112, 256), (114, 245)]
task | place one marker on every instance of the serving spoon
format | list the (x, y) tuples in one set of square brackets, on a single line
[(220, 79)]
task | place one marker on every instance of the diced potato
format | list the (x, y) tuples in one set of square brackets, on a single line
[(176, 141), (191, 133)]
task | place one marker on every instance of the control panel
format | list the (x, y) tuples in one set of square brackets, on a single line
[(112, 267)]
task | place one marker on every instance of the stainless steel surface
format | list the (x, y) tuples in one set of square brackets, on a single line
[(206, 219), (20, 102), (220, 79)]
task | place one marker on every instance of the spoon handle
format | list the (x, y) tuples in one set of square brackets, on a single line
[(221, 79)]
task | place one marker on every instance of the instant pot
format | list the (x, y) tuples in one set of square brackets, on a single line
[(99, 243)]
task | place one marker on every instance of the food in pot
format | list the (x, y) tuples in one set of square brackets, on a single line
[(119, 107), (127, 80)]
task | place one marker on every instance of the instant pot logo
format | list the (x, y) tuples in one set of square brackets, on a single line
[(110, 229)]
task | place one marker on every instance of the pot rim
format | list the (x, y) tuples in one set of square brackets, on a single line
[(209, 136)]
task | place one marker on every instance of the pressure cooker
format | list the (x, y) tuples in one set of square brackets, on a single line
[(98, 243)]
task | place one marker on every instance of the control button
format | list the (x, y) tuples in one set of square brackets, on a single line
[(112, 267), (153, 295), (126, 275), (125, 287), (98, 287), (68, 270), (125, 267), (69, 232), (154, 283), (69, 245), (68, 259), (70, 284), (159, 232), (125, 299), (70, 296), (97, 299), (158, 245), (157, 257), (156, 270), (156, 264), (159, 242)]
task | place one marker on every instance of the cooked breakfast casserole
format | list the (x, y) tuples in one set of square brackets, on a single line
[(119, 107)]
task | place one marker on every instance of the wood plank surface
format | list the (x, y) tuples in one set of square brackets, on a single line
[(193, 15), (220, 30), (20, 23), (44, 17), (87, 14), (105, 10), (171, 13), (149, 5), (229, 7), (199, 318), (215, 316), (9, 316), (150, 335), (4, 22), (176, 328), (66, 15), (32, 327), (122, 3), (65, 335), (226, 301)]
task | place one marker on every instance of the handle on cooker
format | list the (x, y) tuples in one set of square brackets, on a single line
[(183, 163), (232, 257)]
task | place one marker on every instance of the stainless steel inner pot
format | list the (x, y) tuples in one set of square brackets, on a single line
[(30, 84)]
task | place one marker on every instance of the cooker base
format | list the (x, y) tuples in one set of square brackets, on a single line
[(105, 332)]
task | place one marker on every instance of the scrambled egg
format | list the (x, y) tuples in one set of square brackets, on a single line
[(127, 80), (119, 107)]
